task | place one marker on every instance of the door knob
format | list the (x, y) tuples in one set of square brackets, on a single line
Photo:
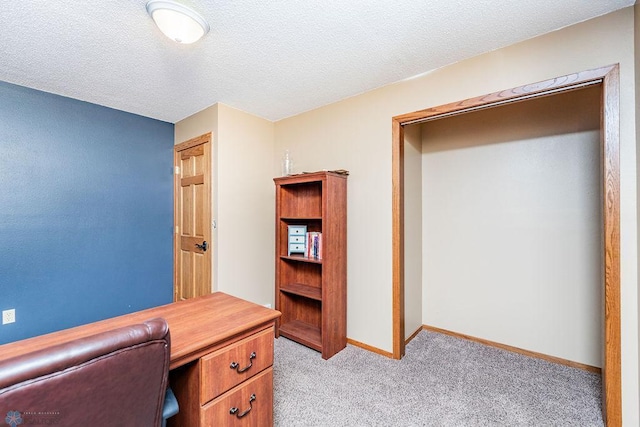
[(203, 246)]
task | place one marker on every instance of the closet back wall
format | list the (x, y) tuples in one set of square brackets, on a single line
[(512, 244), (86, 212)]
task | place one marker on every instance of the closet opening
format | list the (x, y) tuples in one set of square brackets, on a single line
[(531, 136)]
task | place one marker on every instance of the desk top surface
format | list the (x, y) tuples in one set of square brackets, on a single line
[(195, 325)]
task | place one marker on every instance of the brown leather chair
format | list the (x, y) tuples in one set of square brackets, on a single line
[(117, 377)]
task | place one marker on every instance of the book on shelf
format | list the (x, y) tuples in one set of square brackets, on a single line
[(313, 247)]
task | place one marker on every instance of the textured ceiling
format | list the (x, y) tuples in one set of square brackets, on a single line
[(273, 59)]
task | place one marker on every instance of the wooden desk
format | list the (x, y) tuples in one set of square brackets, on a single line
[(204, 330)]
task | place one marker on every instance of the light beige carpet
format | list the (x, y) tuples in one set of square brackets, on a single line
[(442, 381)]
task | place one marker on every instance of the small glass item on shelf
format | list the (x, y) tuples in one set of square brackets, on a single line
[(287, 164)]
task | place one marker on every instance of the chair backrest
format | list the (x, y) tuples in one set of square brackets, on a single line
[(117, 377)]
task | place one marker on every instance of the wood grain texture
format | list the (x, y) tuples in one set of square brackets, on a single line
[(210, 324), (303, 290), (217, 374), (192, 180), (193, 142), (195, 151), (197, 383), (184, 381), (301, 259), (608, 79), (413, 335), (610, 128), (311, 293), (197, 326), (528, 353), (397, 205), (217, 413), (370, 348), (189, 243), (516, 94), (303, 333), (334, 265), (192, 218)]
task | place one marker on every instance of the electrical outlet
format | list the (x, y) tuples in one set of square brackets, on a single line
[(8, 316)]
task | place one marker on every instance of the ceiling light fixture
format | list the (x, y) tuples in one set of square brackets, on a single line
[(178, 22)]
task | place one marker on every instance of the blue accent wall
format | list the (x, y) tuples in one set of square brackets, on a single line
[(86, 212)]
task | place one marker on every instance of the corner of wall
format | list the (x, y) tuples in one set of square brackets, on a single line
[(246, 206), (413, 247), (636, 54), (197, 124)]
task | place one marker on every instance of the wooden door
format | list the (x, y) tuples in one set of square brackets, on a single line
[(192, 245)]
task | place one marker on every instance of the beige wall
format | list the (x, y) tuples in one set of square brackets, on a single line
[(355, 134), (512, 225), (246, 206), (198, 124), (243, 199), (413, 229)]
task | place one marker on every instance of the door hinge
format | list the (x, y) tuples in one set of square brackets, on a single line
[(176, 170)]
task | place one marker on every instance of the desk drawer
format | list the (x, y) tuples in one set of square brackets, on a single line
[(252, 402), (229, 366)]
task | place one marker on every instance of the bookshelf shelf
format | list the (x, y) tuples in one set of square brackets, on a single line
[(311, 293), (302, 290), (303, 332), (301, 259), (301, 218)]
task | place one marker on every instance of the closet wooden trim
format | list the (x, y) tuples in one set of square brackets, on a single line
[(369, 348), (413, 335), (518, 350), (397, 246), (608, 79)]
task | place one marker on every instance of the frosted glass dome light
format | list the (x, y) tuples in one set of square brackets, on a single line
[(176, 21)]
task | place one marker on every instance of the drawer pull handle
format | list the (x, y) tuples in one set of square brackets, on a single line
[(236, 366), (234, 410)]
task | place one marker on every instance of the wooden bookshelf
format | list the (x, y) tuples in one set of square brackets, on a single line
[(311, 293)]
